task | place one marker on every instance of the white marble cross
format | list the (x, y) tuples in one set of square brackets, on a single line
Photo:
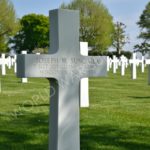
[(24, 80), (64, 66), (134, 63), (109, 63), (123, 61), (3, 62), (9, 64), (14, 59), (141, 61), (115, 62), (147, 62), (84, 83)]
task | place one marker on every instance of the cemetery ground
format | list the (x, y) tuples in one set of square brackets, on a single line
[(118, 117)]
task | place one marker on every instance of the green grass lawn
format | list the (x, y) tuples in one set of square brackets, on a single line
[(118, 117)]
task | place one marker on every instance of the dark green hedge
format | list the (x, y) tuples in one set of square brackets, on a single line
[(128, 54)]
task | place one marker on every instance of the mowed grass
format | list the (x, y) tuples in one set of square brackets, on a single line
[(118, 117)]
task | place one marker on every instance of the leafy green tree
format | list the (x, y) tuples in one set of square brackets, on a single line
[(119, 37), (144, 47), (8, 23), (144, 24), (96, 26), (34, 33)]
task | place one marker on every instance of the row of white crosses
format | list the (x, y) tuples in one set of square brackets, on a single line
[(123, 62), (9, 62), (115, 63), (25, 80)]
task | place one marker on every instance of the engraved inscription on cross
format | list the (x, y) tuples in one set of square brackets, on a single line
[(64, 66)]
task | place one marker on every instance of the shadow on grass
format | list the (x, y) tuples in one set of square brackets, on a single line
[(32, 105), (30, 132), (140, 97), (107, 137)]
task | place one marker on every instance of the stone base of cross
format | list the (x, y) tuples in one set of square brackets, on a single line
[(64, 66)]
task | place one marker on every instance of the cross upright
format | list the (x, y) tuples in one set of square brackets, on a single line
[(3, 62), (115, 62), (64, 66), (147, 62), (133, 63), (142, 64), (123, 61)]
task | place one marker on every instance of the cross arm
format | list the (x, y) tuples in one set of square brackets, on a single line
[(55, 66), (93, 66), (36, 66)]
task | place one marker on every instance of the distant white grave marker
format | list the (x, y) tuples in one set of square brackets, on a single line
[(3, 64), (115, 63), (133, 63), (142, 64), (109, 63), (9, 62), (15, 63), (147, 61), (123, 61), (24, 80), (84, 83)]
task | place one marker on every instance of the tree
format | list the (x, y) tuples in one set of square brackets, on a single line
[(119, 37), (34, 33), (144, 24), (144, 47), (96, 26), (8, 23)]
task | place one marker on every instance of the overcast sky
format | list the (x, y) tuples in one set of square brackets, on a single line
[(126, 11)]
